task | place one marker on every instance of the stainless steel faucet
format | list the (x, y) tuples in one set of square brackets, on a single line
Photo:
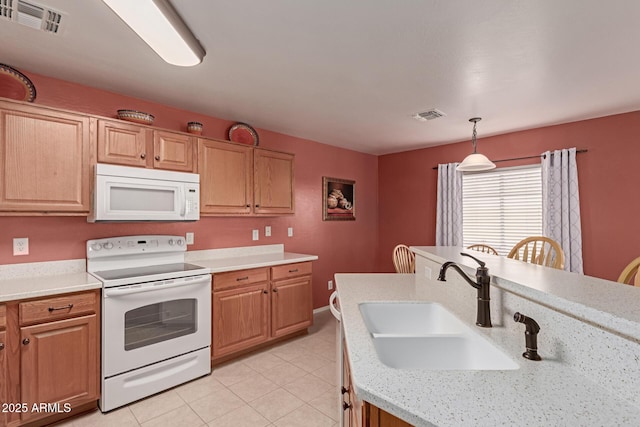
[(483, 279)]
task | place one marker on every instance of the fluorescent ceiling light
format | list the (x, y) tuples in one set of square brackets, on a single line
[(160, 26)]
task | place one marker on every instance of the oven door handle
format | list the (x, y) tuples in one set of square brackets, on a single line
[(117, 292)]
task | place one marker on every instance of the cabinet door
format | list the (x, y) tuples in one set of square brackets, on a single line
[(225, 177), (59, 363), (3, 374), (44, 161), (172, 151), (240, 318), (291, 306), (273, 182), (123, 144)]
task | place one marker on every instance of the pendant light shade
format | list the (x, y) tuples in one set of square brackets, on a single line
[(475, 162)]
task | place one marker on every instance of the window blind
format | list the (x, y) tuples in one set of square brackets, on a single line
[(502, 207)]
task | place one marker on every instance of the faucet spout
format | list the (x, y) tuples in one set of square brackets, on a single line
[(483, 318)]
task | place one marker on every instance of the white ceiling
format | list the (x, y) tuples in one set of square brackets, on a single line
[(351, 73)]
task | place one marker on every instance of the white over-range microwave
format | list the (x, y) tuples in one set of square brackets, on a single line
[(130, 194)]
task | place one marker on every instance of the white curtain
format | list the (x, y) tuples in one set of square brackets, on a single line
[(449, 207), (561, 205)]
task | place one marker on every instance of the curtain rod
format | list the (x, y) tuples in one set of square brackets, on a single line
[(526, 157)]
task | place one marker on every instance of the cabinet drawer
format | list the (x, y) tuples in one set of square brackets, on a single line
[(232, 279), (60, 307), (290, 270), (3, 316)]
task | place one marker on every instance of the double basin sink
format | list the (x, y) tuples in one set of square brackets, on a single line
[(426, 335)]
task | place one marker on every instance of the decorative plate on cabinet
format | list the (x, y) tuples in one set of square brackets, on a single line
[(15, 85), (243, 133), (136, 116)]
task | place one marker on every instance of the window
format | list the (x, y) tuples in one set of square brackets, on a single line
[(502, 207)]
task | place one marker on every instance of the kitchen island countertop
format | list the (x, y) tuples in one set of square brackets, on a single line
[(538, 393)]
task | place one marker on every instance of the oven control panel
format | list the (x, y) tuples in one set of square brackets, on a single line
[(131, 245)]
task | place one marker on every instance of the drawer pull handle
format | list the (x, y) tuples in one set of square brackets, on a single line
[(157, 158), (275, 290), (66, 307), (242, 278), (143, 156), (25, 341), (293, 271), (265, 291), (1, 346)]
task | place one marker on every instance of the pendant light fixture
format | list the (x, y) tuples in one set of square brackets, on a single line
[(160, 26), (475, 161)]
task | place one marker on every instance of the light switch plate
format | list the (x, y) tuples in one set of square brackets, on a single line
[(256, 234), (189, 238), (290, 231), (267, 231), (330, 284), (21, 246)]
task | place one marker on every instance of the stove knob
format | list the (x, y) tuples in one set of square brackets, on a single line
[(108, 245), (180, 242), (170, 242), (96, 246)]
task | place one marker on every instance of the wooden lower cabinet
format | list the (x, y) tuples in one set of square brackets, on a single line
[(240, 318), (3, 362), (253, 307), (54, 355), (357, 413)]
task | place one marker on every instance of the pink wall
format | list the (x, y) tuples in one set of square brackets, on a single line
[(608, 173), (348, 246)]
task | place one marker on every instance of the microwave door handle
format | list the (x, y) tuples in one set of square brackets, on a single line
[(183, 202)]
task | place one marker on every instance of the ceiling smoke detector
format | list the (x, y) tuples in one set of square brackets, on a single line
[(434, 113), (31, 15)]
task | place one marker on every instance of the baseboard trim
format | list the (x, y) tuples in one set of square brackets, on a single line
[(321, 309)]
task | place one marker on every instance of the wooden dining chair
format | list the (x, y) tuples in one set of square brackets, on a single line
[(629, 275), (404, 260), (539, 250), (480, 247)]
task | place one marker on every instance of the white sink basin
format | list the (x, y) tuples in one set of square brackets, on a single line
[(409, 319), (427, 336)]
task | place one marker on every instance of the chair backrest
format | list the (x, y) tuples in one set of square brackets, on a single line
[(630, 274), (403, 259), (539, 250), (480, 247)]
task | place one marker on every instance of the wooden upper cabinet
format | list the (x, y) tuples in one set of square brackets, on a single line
[(129, 144), (44, 160), (122, 143), (242, 180), (225, 177), (172, 151), (273, 182)]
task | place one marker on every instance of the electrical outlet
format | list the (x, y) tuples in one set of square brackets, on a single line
[(267, 231), (21, 246), (189, 238), (256, 234), (290, 231), (427, 272), (330, 284)]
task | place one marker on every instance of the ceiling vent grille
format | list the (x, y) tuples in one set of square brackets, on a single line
[(31, 15), (429, 115)]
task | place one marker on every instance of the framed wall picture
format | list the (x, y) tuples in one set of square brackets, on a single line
[(338, 199)]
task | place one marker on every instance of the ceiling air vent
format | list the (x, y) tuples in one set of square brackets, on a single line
[(32, 15), (429, 115)]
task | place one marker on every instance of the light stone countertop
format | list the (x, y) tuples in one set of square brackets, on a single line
[(30, 280), (612, 306), (539, 393), (230, 259)]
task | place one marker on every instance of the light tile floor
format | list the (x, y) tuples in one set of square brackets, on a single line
[(291, 384)]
